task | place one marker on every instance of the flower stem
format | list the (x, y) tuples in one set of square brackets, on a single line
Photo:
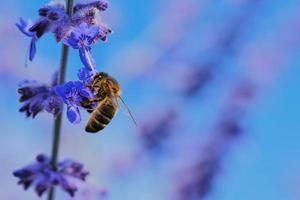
[(57, 122)]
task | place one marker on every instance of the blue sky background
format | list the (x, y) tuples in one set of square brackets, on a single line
[(148, 52)]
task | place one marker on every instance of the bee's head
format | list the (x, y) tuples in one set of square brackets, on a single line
[(106, 85)]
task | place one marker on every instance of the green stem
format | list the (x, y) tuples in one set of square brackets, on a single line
[(57, 122)]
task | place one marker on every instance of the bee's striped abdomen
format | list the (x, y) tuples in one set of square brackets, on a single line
[(101, 116)]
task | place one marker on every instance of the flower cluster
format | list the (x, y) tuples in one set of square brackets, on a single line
[(38, 97), (42, 176), (73, 94), (79, 32)]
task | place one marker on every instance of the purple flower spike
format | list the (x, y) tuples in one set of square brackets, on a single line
[(24, 27), (42, 177), (73, 94), (81, 38), (38, 97)]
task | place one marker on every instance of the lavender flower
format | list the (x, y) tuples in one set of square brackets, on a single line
[(90, 14), (42, 176), (73, 94), (84, 28), (53, 18), (38, 97), (81, 38), (24, 27)]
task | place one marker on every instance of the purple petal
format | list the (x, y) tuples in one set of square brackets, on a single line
[(67, 186), (73, 114), (86, 59), (42, 158), (93, 33), (53, 104), (85, 75), (22, 173), (86, 93), (83, 27), (78, 85), (22, 26), (42, 187), (72, 40), (32, 49), (61, 92)]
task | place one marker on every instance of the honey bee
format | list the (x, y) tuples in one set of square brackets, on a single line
[(107, 92)]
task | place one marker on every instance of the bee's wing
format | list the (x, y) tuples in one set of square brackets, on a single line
[(127, 109)]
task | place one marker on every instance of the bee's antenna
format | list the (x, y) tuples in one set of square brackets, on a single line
[(128, 110)]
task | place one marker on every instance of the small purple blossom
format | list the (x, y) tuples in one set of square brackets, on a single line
[(81, 38), (85, 75), (73, 93), (24, 27), (53, 18), (42, 176), (90, 14), (38, 97)]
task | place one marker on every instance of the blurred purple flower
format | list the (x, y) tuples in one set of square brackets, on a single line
[(24, 27), (42, 176), (73, 94), (153, 132), (81, 38), (38, 97), (198, 179), (196, 80)]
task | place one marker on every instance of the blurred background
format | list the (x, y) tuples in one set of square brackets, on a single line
[(213, 85)]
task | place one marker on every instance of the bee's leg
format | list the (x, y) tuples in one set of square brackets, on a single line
[(91, 108)]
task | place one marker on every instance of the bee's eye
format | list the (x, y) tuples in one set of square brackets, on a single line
[(53, 16)]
